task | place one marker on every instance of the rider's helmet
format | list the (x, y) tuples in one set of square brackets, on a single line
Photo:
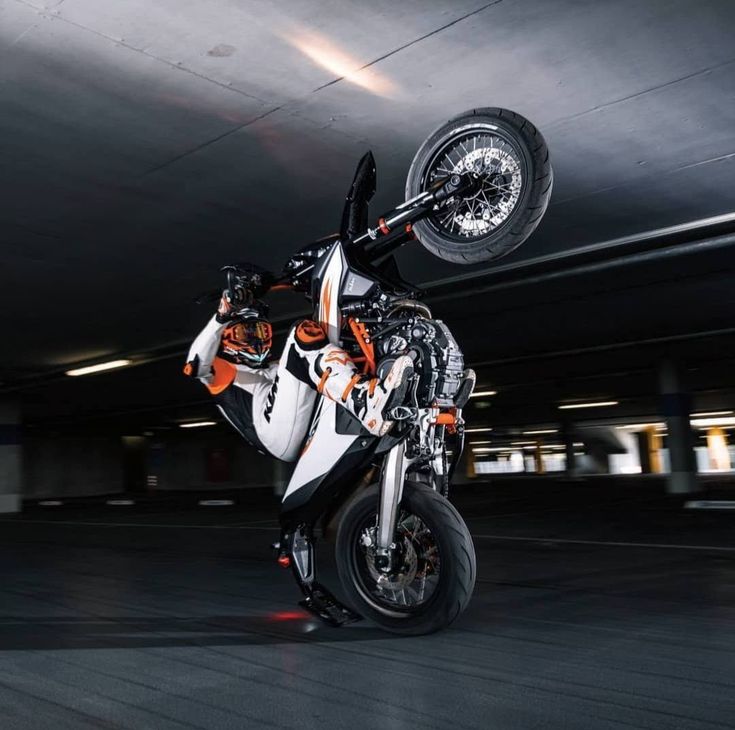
[(247, 339)]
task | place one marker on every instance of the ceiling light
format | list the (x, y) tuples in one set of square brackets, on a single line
[(596, 404), (478, 430), (540, 431), (522, 443), (100, 367), (197, 424), (706, 422), (480, 393), (488, 449), (326, 53), (712, 413), (635, 426)]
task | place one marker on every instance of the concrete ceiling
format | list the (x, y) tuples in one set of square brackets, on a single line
[(145, 144)]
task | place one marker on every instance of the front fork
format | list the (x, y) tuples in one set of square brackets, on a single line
[(391, 491), (393, 477)]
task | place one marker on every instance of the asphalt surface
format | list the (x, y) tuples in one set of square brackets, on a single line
[(593, 609)]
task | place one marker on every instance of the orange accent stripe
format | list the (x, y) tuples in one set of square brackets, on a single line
[(339, 356), (353, 381), (281, 287), (323, 381), (326, 301), (383, 226), (224, 373)]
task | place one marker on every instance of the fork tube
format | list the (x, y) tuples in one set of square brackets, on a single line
[(391, 490)]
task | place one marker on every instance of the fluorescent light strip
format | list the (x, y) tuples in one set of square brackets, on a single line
[(712, 413), (477, 430), (197, 424), (99, 368), (480, 393), (540, 431), (705, 422), (597, 404), (634, 426)]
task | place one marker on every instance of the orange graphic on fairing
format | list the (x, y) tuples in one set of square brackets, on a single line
[(326, 302)]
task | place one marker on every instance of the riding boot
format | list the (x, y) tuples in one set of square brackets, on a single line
[(367, 398), (336, 376)]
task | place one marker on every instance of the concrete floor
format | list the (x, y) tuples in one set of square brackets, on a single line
[(162, 618)]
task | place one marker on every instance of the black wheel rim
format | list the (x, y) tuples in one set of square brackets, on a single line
[(415, 580), (496, 157)]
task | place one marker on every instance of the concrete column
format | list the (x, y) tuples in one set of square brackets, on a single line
[(676, 408), (540, 468), (570, 459), (649, 449), (719, 454), (11, 457)]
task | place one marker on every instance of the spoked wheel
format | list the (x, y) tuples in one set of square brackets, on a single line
[(433, 562), (509, 157)]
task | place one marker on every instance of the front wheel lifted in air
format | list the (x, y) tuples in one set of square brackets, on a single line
[(509, 158)]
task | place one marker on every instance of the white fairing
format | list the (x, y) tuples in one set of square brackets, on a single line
[(324, 448), (327, 310)]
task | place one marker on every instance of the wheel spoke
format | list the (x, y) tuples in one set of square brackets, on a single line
[(498, 163)]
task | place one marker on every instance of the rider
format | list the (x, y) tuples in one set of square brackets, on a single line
[(270, 403)]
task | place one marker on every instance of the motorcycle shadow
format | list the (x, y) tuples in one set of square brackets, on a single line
[(126, 632)]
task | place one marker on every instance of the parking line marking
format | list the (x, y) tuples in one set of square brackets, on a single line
[(607, 543), (265, 528)]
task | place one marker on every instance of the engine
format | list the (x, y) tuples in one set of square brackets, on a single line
[(439, 361)]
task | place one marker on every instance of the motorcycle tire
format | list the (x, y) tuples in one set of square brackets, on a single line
[(453, 581), (517, 182)]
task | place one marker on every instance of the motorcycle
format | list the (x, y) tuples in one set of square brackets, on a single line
[(476, 189)]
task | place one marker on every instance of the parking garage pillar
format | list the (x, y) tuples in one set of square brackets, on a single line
[(717, 450), (10, 457), (649, 448), (540, 467), (570, 459), (676, 408)]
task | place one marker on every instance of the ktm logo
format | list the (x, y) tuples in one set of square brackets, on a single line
[(270, 400)]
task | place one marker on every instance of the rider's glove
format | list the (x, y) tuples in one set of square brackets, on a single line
[(225, 309)]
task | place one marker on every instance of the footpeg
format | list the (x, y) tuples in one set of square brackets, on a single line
[(322, 603)]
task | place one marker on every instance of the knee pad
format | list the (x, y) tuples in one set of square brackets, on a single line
[(309, 335)]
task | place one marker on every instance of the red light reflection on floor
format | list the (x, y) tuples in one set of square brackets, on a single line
[(287, 616)]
